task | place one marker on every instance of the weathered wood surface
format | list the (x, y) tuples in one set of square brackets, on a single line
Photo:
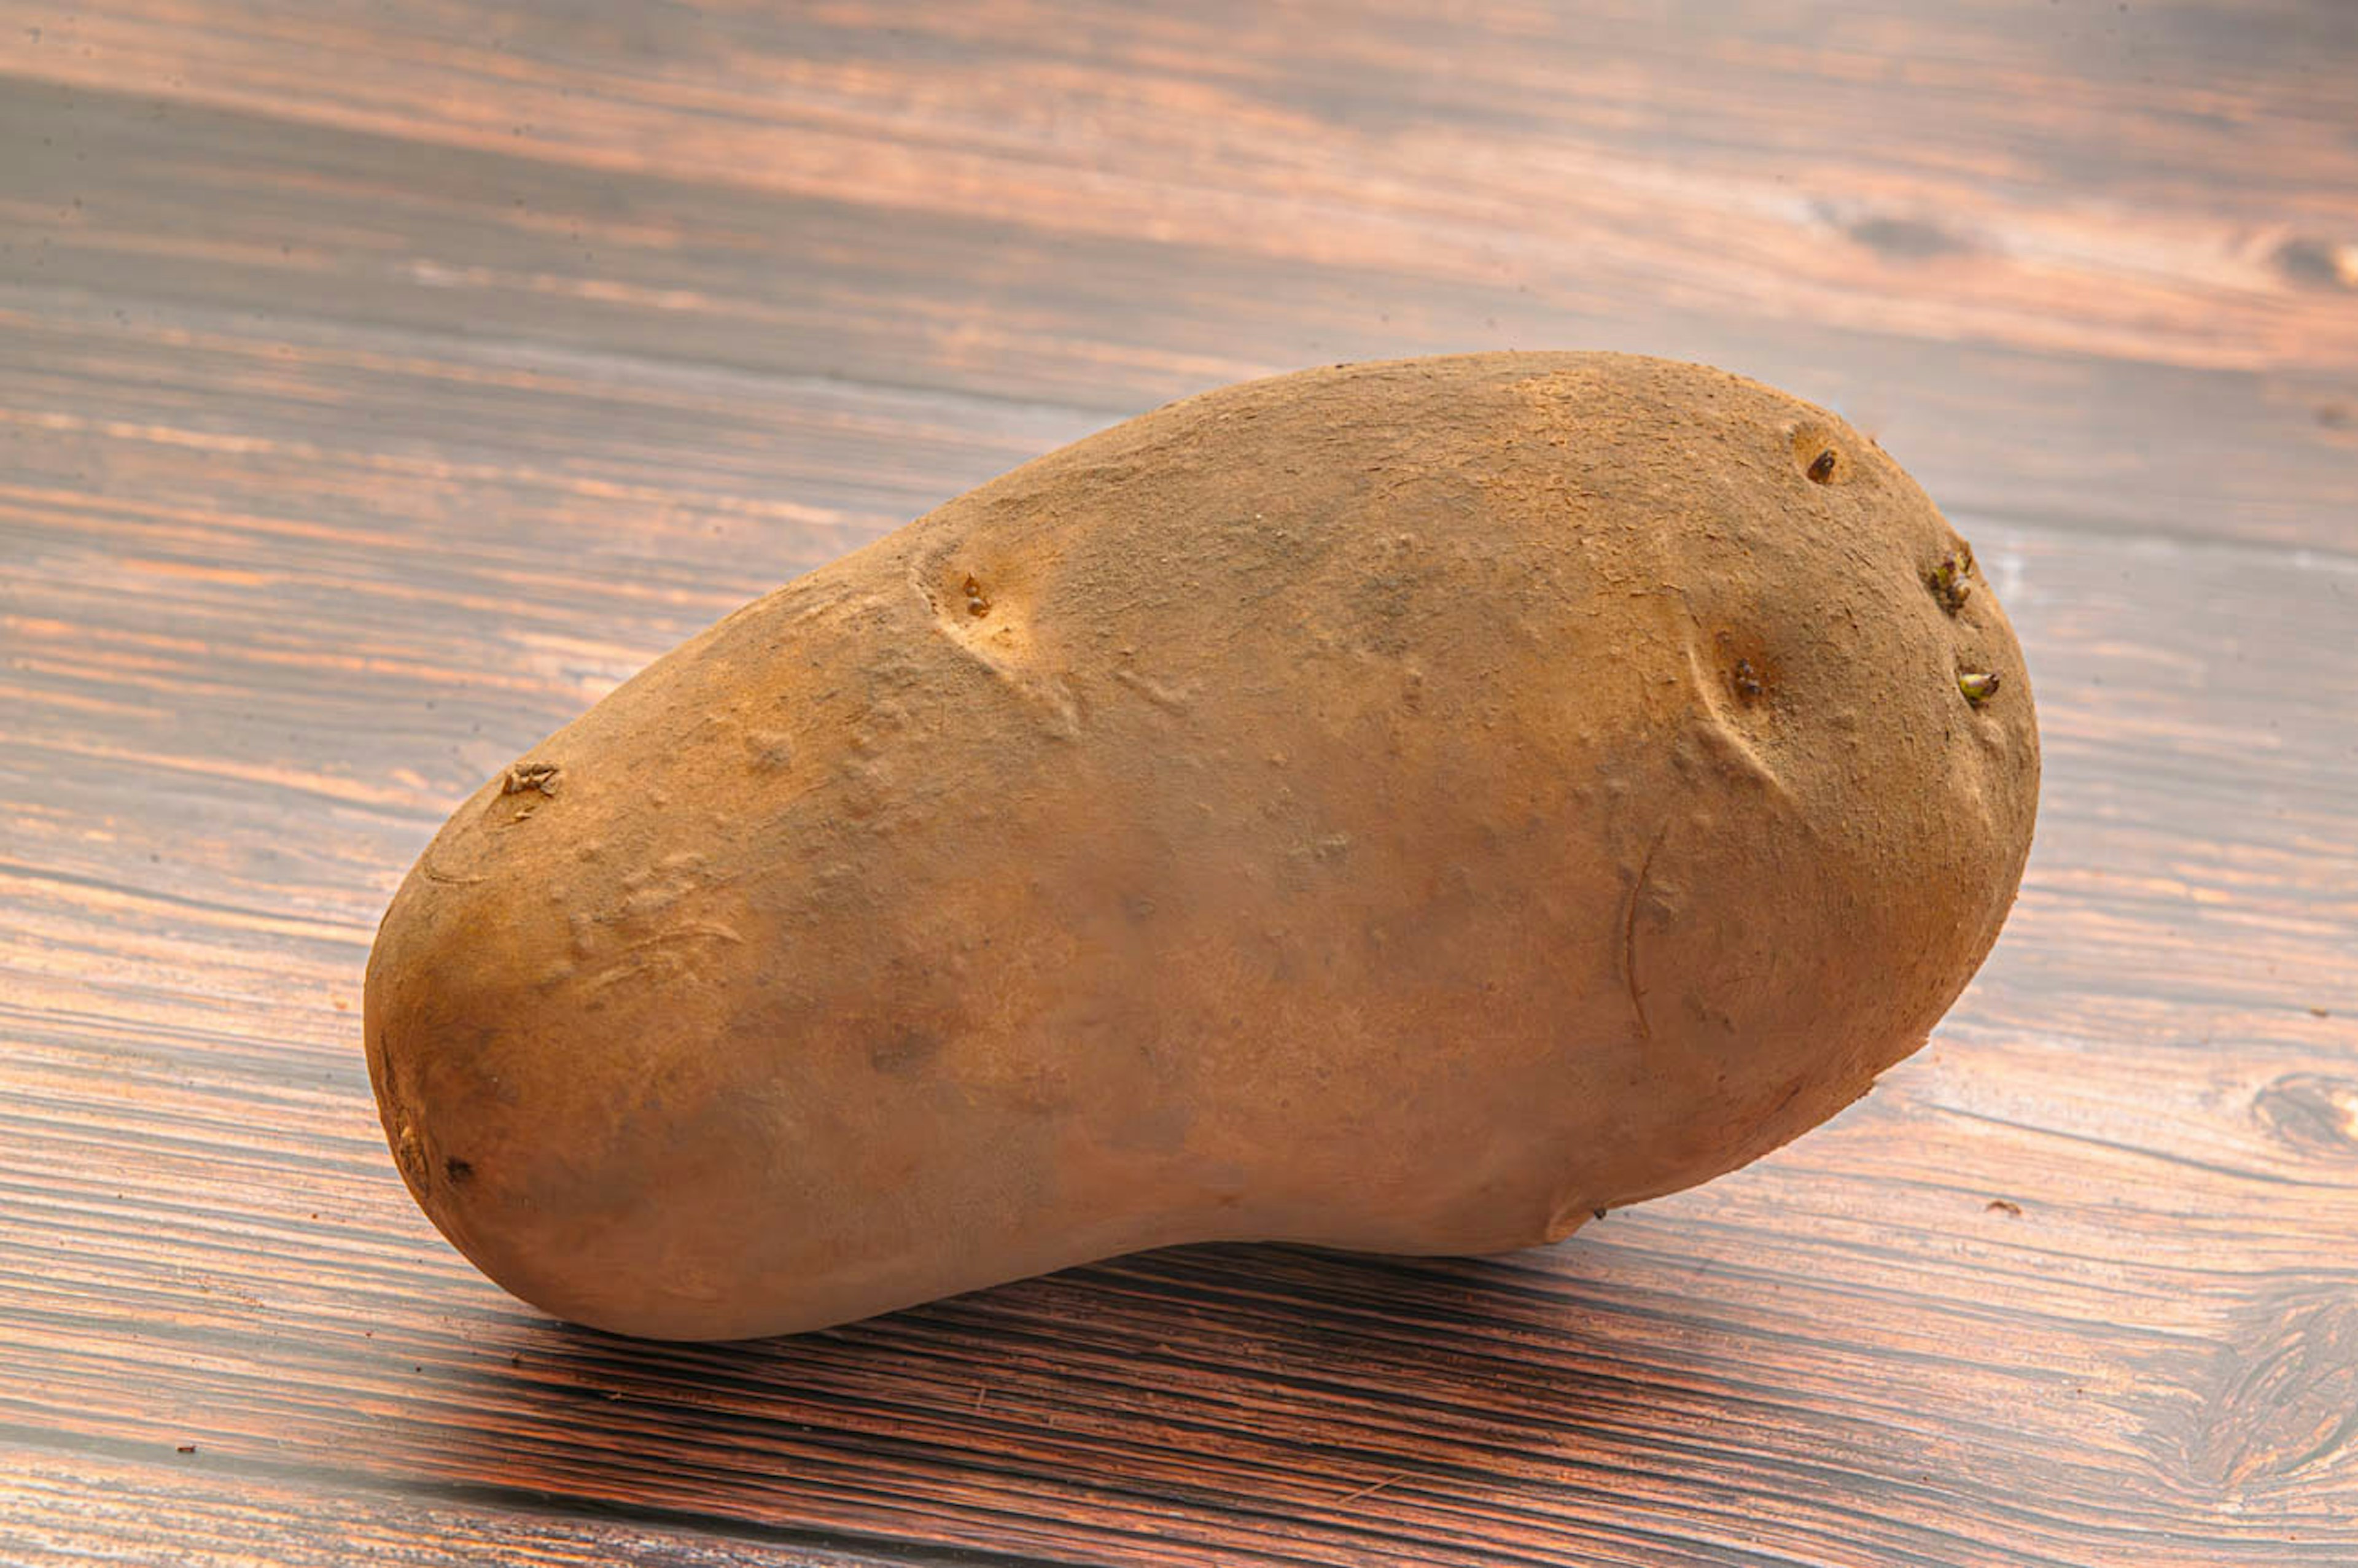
[(359, 423)]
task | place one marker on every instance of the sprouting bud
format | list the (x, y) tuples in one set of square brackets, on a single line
[(1948, 583)]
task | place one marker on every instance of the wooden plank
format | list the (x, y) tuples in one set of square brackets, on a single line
[(270, 610), (872, 208), (2167, 178), (62, 1508)]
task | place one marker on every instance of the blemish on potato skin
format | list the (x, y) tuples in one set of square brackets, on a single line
[(1744, 666), (543, 777), (409, 1155), (907, 1051), (1630, 935), (434, 874), (1161, 694), (1735, 757), (1819, 455), (770, 751)]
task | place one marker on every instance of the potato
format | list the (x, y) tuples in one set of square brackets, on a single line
[(1409, 807)]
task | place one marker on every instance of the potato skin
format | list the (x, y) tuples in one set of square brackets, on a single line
[(1404, 806)]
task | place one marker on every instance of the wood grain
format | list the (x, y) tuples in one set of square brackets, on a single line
[(53, 1507), (1095, 215), (359, 426)]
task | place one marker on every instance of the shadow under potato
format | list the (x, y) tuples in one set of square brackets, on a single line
[(1268, 1378)]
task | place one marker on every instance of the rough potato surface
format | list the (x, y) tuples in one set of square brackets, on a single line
[(1406, 806)]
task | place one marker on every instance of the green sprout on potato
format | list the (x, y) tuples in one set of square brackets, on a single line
[(1947, 581)]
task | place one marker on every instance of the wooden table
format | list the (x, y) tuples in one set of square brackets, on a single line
[(379, 384)]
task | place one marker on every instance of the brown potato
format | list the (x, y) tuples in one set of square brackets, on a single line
[(1406, 806)]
